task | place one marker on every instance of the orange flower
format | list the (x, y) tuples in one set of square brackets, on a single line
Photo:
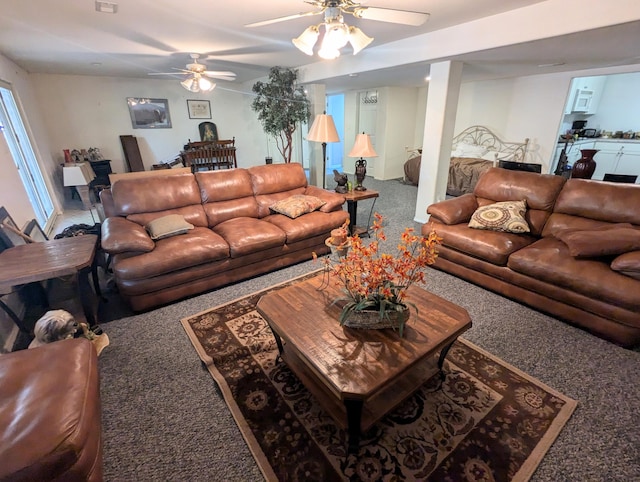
[(371, 278)]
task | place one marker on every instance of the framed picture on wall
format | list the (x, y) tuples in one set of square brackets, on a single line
[(199, 109), (149, 113)]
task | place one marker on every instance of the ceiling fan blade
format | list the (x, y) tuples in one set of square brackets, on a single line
[(221, 75), (391, 15), (167, 73), (282, 19)]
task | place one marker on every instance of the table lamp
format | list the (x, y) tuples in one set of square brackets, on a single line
[(362, 148), (323, 130), (79, 176)]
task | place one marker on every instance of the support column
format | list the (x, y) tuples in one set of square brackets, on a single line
[(317, 97), (440, 117)]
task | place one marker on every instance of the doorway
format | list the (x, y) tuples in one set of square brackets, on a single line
[(335, 150)]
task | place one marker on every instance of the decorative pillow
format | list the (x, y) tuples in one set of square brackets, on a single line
[(599, 242), (506, 216), (628, 264), (297, 205), (469, 150), (167, 226)]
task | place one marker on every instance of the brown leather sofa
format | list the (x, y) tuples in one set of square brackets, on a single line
[(236, 236), (50, 426), (538, 268)]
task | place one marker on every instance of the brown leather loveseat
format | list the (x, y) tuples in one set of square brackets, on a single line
[(235, 234), (580, 261)]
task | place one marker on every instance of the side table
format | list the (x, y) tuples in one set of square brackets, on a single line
[(352, 198), (55, 258)]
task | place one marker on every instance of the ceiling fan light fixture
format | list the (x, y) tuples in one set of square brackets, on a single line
[(191, 84), (336, 34), (358, 39), (328, 53), (205, 85), (307, 40)]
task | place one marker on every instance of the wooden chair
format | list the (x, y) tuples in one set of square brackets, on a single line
[(209, 158)]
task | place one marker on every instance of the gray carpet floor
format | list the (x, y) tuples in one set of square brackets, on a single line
[(165, 419)]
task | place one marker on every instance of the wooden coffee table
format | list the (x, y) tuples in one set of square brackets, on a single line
[(359, 375)]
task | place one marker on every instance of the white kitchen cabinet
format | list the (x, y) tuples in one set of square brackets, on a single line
[(617, 158), (584, 95)]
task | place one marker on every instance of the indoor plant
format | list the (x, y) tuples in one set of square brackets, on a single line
[(378, 282), (281, 105)]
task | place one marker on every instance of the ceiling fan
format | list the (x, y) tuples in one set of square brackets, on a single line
[(337, 34), (198, 82)]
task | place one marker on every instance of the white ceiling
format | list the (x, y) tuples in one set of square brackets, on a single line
[(70, 37)]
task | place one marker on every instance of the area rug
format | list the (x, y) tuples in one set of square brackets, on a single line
[(487, 421)]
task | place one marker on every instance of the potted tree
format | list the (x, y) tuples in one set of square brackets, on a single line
[(281, 105)]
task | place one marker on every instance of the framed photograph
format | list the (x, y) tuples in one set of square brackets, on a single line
[(199, 109), (149, 113)]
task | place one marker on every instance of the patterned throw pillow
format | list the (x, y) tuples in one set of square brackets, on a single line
[(297, 205), (166, 226), (507, 216)]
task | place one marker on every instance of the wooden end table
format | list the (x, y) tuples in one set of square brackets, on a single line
[(50, 259), (352, 198), (359, 375)]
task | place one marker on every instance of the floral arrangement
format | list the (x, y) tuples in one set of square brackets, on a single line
[(378, 281)]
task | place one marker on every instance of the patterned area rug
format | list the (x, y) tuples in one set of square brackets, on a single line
[(487, 421)]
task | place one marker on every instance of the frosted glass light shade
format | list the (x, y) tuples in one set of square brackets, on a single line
[(358, 39), (307, 40)]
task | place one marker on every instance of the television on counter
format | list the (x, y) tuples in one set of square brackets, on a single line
[(520, 166)]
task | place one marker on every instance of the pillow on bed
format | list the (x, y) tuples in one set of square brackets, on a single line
[(469, 150), (506, 216), (297, 205)]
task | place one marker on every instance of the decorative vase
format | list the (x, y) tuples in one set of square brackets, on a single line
[(585, 166), (370, 319)]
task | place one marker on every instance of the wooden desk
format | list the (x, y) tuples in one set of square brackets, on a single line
[(352, 198), (55, 258), (359, 375)]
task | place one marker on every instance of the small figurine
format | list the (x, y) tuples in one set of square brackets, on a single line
[(342, 180)]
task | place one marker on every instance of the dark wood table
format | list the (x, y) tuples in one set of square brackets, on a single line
[(359, 375), (352, 198), (55, 258)]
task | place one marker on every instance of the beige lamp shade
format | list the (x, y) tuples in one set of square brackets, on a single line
[(323, 129), (363, 147), (78, 174)]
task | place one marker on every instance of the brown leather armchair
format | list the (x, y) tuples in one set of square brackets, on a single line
[(50, 427)]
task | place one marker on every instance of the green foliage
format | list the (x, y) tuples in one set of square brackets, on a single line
[(281, 105)]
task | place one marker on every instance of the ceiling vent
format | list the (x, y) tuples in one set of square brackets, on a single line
[(106, 7)]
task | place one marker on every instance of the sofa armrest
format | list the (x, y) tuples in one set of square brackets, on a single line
[(454, 211), (119, 235), (333, 199)]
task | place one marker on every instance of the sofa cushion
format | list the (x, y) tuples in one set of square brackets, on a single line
[(507, 216), (600, 242), (119, 235), (600, 201), (548, 260), (297, 205), (167, 226), (492, 246), (309, 225), (198, 246), (628, 264), (249, 235)]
